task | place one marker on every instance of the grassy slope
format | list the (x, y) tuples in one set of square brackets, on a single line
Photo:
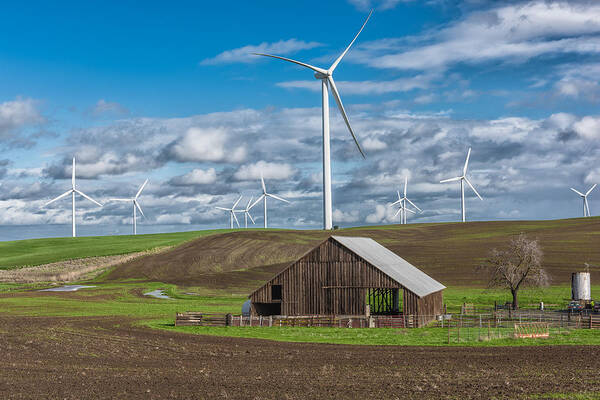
[(42, 251), (448, 252)]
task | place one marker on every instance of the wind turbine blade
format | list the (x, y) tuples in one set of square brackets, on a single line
[(397, 212), (251, 219), (248, 205), (277, 198), (592, 188), (262, 181), (458, 178), (119, 199), (223, 208), (405, 184), (396, 202), (336, 62), (139, 207), (467, 162), (336, 96), (257, 200), (236, 203), (141, 188), (87, 197), (73, 174), (409, 210), (68, 192), (578, 192), (472, 187), (235, 218), (316, 69), (414, 205)]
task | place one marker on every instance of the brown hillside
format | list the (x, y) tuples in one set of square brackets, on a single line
[(449, 252)]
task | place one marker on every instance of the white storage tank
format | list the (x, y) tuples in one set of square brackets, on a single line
[(580, 286)]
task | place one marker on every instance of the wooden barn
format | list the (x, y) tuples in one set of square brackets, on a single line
[(349, 276)]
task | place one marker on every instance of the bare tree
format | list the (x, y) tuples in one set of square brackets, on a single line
[(517, 266)]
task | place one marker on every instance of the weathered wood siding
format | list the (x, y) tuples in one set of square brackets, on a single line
[(332, 280), (328, 280)]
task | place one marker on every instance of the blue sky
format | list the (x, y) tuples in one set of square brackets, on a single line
[(172, 93)]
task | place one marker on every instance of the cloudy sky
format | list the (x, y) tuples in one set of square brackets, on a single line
[(174, 95)]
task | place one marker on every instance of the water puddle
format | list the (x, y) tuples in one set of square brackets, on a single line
[(66, 288), (159, 294)]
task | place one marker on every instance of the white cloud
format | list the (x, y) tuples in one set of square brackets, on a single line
[(173, 219), (341, 217), (373, 144), (382, 214), (17, 114), (366, 5), (106, 107), (244, 54), (588, 127), (276, 171), (513, 32), (505, 129), (368, 87), (562, 121), (207, 144), (196, 177)]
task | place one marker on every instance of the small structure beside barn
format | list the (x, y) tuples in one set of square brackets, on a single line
[(350, 276)]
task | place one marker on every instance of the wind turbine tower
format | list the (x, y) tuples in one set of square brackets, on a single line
[(72, 192), (326, 78), (263, 197), (586, 206), (232, 212), (402, 201), (463, 179), (135, 204)]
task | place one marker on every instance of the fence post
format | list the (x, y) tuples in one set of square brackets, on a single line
[(479, 333), (591, 316), (448, 332)]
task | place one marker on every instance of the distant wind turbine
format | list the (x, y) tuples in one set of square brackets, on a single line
[(326, 77), (463, 179), (232, 212), (586, 206), (264, 196), (402, 201), (135, 204), (246, 212), (72, 192)]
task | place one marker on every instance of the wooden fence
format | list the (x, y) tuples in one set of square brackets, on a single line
[(495, 320)]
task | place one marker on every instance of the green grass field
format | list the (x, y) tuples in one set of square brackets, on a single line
[(125, 299), (43, 251)]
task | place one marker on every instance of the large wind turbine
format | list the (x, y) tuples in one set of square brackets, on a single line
[(232, 212), (72, 192), (586, 207), (264, 196), (402, 211), (135, 204), (463, 179), (326, 77), (246, 212), (402, 201)]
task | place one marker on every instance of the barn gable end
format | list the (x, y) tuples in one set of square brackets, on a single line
[(332, 279)]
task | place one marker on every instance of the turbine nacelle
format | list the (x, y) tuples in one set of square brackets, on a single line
[(322, 76)]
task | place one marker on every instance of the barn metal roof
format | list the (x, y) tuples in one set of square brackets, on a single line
[(392, 265)]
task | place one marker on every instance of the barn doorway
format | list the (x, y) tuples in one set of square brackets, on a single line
[(266, 309), (384, 301)]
